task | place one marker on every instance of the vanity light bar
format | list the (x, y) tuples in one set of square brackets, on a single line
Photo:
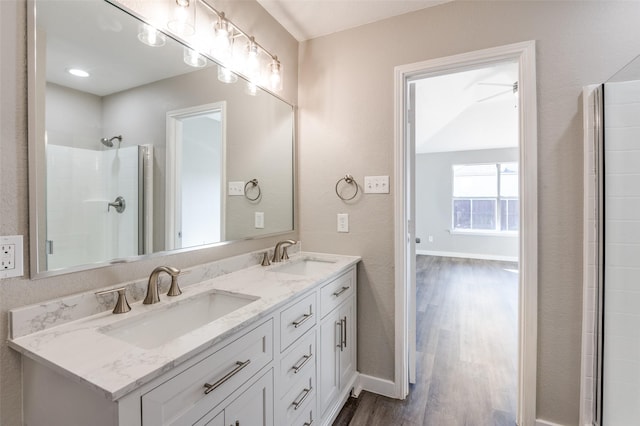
[(274, 67)]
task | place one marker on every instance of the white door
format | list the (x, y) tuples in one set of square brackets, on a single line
[(347, 345), (328, 380)]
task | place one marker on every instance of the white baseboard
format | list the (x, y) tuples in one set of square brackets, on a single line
[(468, 255), (546, 423), (375, 385)]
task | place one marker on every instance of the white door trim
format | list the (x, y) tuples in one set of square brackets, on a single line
[(173, 196), (524, 53)]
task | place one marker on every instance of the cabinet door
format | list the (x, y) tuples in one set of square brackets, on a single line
[(347, 349), (329, 379), (254, 407)]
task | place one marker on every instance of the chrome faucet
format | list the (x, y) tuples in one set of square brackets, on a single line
[(279, 255), (152, 287)]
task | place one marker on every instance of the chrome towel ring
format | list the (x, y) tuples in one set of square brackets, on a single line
[(254, 185), (349, 180)]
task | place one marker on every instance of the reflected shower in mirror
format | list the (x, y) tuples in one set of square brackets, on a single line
[(116, 117)]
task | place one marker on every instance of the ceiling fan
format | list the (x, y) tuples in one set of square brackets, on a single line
[(512, 88)]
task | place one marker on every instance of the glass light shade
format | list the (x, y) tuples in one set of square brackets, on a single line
[(225, 75), (275, 75), (252, 62), (193, 58), (251, 89), (183, 18), (150, 36), (222, 40)]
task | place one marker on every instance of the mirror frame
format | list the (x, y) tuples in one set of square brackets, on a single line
[(37, 165)]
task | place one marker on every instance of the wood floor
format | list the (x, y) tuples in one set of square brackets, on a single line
[(466, 350)]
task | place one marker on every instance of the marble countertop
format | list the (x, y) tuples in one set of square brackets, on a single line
[(80, 351)]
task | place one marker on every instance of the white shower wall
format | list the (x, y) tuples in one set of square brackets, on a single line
[(621, 357), (80, 184)]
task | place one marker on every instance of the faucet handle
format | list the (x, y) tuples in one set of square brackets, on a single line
[(122, 305), (265, 259), (285, 255), (174, 289)]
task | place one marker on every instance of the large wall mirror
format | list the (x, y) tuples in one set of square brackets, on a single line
[(133, 151)]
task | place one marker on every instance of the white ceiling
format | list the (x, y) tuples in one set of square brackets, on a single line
[(469, 110), (307, 19)]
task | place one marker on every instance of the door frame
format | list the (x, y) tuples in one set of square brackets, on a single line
[(524, 54), (173, 196)]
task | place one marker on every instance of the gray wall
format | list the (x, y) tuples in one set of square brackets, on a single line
[(434, 191), (346, 125), (14, 207)]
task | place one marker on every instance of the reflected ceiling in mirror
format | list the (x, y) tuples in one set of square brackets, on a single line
[(135, 152)]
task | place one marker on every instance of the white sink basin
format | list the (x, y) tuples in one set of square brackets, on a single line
[(305, 266), (161, 326)]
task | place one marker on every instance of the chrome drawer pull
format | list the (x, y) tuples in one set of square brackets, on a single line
[(341, 338), (306, 392), (339, 292), (302, 320), (344, 336), (305, 359), (239, 366)]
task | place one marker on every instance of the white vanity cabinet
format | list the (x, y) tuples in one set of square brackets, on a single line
[(294, 365), (337, 342)]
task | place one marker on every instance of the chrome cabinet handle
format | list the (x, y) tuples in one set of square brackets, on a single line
[(305, 359), (342, 290), (307, 423), (239, 366), (339, 324), (302, 320), (344, 336), (306, 392)]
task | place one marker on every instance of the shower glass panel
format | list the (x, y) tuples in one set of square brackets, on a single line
[(621, 287), (80, 185)]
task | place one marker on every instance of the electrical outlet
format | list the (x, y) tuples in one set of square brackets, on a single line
[(236, 188), (343, 222), (8, 256), (259, 220), (11, 261)]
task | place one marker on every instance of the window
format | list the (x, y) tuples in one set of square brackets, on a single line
[(485, 197)]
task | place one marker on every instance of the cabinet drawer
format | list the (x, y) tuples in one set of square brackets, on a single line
[(306, 418), (299, 398), (298, 362), (335, 292), (185, 398), (296, 320)]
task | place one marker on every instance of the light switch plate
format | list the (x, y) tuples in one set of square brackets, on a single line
[(259, 220), (343, 222), (11, 260), (236, 188), (376, 184)]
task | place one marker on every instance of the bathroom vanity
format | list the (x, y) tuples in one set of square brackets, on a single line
[(260, 346)]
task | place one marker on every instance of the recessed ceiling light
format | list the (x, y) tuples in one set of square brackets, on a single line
[(78, 72)]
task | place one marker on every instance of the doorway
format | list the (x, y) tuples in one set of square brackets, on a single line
[(463, 211), (195, 210)]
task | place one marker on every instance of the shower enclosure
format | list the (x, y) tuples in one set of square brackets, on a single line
[(97, 203), (615, 239)]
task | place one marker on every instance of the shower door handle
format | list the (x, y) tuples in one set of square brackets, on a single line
[(119, 204)]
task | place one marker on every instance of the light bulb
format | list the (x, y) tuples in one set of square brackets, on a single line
[(150, 36)]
